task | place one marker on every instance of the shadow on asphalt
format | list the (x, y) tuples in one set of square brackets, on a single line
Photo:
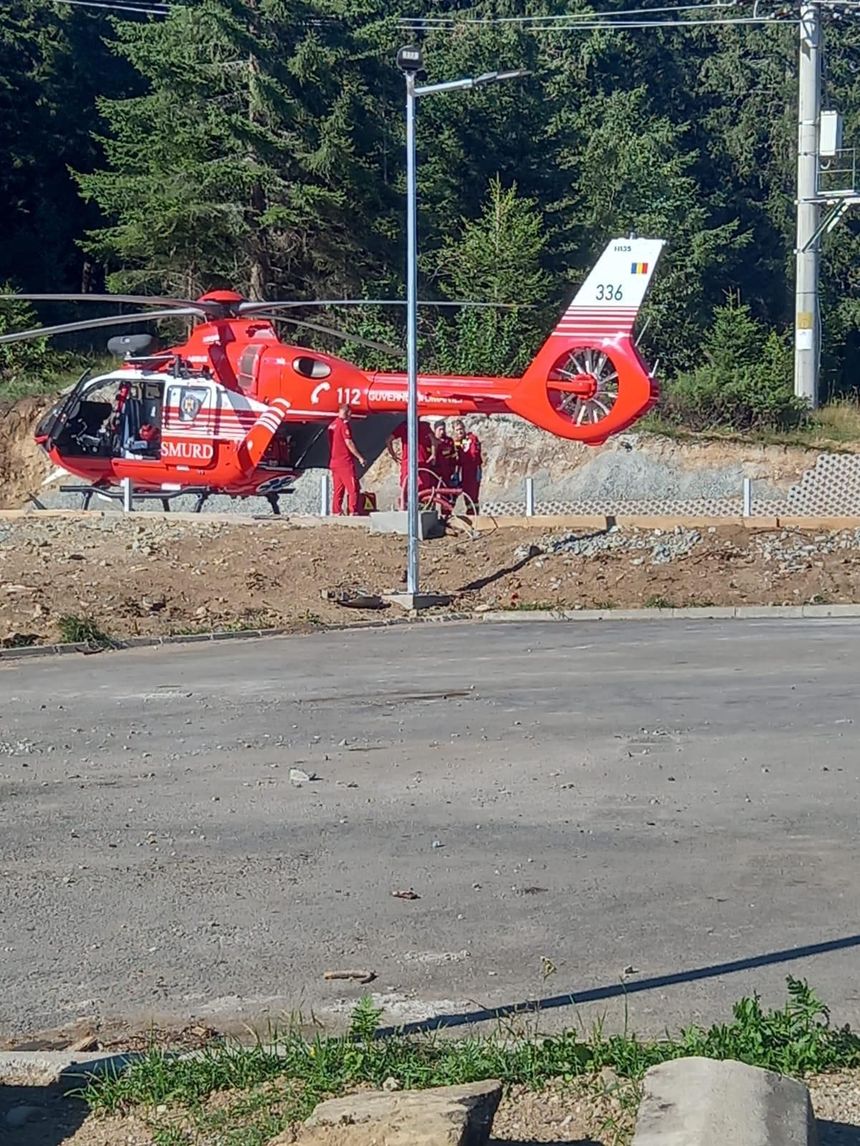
[(614, 990), (837, 1134), (39, 1115)]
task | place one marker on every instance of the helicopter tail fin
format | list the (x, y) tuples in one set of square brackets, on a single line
[(609, 300), (588, 379)]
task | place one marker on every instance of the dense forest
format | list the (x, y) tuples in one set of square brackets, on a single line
[(259, 144)]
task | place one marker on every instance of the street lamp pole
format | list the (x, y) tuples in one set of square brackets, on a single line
[(413, 519), (410, 62)]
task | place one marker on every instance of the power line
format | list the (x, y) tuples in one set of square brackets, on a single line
[(658, 17), (580, 15), (156, 9), (416, 24)]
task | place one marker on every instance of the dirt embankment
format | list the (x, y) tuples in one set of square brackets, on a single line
[(149, 575), (23, 465)]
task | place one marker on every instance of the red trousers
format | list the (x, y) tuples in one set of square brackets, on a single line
[(344, 481), (471, 487), (425, 483)]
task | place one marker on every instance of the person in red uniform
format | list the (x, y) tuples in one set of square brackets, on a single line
[(445, 463), (426, 443), (470, 459), (343, 455)]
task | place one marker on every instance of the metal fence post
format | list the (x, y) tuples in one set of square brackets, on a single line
[(530, 497), (325, 493), (126, 495), (747, 497)]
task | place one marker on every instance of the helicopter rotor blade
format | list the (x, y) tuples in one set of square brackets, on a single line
[(113, 320), (382, 347), (134, 299), (286, 304)]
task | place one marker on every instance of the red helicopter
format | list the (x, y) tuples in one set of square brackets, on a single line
[(235, 410)]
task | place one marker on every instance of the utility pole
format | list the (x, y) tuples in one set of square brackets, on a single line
[(807, 330), (412, 62)]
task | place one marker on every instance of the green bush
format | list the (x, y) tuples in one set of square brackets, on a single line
[(744, 383)]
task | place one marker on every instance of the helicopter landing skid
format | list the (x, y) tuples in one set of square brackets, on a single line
[(87, 493)]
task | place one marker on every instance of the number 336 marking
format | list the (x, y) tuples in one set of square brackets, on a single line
[(609, 292)]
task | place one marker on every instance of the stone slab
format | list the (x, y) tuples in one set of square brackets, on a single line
[(416, 601), (397, 521), (441, 1116), (42, 1068), (702, 1102)]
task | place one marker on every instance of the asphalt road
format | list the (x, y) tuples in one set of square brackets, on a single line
[(667, 805)]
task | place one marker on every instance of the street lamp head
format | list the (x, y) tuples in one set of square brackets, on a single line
[(410, 60), (499, 77)]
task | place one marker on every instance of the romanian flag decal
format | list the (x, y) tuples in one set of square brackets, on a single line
[(639, 268)]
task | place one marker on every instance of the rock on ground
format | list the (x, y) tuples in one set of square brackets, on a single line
[(442, 1116), (702, 1102)]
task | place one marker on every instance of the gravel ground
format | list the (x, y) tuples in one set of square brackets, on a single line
[(149, 574), (663, 546)]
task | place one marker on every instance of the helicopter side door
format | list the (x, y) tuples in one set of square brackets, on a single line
[(189, 424)]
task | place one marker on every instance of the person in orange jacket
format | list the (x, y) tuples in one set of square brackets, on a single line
[(470, 460), (343, 454)]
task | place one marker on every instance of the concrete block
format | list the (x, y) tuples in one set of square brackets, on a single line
[(751, 612), (831, 610), (415, 601), (43, 1068), (397, 521), (722, 612), (442, 1116), (701, 1102)]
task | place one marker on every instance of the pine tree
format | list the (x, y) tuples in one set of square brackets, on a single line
[(237, 162), (51, 61), (496, 258)]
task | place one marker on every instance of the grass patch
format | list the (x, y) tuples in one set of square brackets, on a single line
[(75, 630), (834, 427), (658, 602), (231, 1094)]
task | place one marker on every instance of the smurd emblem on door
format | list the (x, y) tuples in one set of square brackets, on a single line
[(190, 402)]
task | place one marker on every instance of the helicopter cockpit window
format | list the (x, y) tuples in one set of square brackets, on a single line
[(311, 367), (111, 417)]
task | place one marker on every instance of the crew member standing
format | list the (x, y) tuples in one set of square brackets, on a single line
[(470, 459), (445, 462), (426, 443), (343, 455)]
